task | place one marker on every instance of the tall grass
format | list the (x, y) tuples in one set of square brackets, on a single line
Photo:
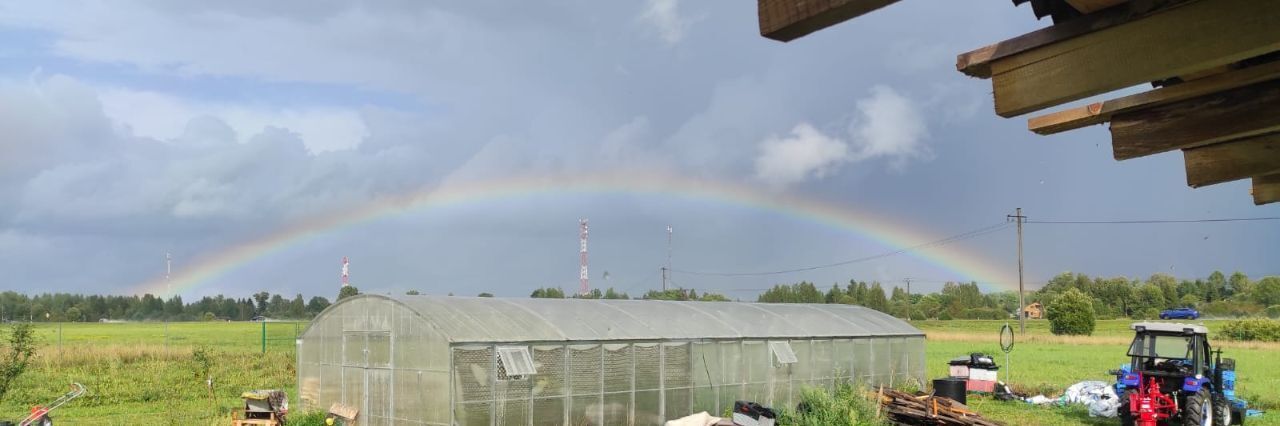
[(847, 405)]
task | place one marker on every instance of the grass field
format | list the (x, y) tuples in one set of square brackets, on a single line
[(1044, 363), (145, 373)]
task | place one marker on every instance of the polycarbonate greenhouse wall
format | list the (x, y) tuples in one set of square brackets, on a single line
[(431, 360)]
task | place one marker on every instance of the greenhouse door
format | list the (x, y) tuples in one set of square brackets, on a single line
[(366, 375)]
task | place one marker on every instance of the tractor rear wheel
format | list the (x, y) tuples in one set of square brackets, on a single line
[(1198, 410), (1126, 416)]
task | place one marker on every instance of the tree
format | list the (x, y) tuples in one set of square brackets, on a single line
[(713, 297), (1267, 291), (613, 294), (1168, 285), (278, 307), (548, 293), (347, 291), (1216, 287), (1239, 284), (22, 345), (261, 297), (1071, 313), (316, 304), (209, 316), (73, 314), (875, 298), (485, 294), (412, 293), (297, 308)]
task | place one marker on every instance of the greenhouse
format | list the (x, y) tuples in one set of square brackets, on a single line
[(436, 360)]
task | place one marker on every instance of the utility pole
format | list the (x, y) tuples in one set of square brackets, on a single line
[(1022, 316), (908, 281), (667, 269), (583, 285), (168, 269)]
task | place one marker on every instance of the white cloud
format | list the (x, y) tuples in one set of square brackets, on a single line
[(805, 153), (887, 125), (666, 20), (162, 116)]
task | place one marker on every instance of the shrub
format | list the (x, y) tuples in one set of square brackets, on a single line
[(310, 418), (1230, 309), (1273, 311), (1071, 313), (1262, 330)]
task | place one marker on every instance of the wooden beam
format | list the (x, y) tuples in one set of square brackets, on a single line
[(786, 20), (1266, 189), (1225, 162), (977, 63), (1219, 117), (1101, 112), (1090, 6), (1176, 41)]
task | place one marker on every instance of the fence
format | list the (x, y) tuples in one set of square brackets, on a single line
[(236, 335)]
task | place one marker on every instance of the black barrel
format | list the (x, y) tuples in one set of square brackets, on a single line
[(950, 387)]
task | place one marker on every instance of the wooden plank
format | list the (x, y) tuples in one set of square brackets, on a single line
[(977, 63), (1225, 162), (1266, 189), (786, 20), (1219, 117), (1176, 41), (1101, 112), (1090, 6)]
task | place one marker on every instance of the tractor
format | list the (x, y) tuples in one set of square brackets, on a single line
[(1175, 378)]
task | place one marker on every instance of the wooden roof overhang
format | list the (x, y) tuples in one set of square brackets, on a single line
[(1214, 66)]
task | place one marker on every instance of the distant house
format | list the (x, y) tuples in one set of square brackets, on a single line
[(1033, 311)]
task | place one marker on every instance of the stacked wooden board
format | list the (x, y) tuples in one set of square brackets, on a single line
[(906, 409), (1215, 65), (1220, 97)]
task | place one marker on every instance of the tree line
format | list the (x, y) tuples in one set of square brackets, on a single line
[(1218, 295), (56, 307)]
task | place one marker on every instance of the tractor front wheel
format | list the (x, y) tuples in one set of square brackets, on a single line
[(1221, 411), (1198, 410), (1126, 416)]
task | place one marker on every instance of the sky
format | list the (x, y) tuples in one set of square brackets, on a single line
[(452, 147)]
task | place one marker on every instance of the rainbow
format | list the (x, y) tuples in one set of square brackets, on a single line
[(879, 229)]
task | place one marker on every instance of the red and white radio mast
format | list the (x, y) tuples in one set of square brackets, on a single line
[(583, 288), (344, 271)]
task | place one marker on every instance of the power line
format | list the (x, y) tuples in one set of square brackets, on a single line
[(1152, 221), (954, 238)]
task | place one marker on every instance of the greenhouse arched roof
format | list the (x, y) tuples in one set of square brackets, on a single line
[(483, 319)]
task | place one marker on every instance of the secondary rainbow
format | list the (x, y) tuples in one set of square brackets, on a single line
[(963, 264)]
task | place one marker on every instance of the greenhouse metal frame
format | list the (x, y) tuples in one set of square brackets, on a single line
[(437, 360)]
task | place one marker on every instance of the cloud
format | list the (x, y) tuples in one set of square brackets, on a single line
[(806, 153), (161, 116), (887, 125), (665, 19)]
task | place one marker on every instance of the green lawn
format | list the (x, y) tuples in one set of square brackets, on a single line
[(1042, 366)]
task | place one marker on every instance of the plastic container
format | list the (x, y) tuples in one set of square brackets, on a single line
[(951, 387)]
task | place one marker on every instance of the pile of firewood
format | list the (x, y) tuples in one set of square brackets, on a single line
[(902, 408)]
